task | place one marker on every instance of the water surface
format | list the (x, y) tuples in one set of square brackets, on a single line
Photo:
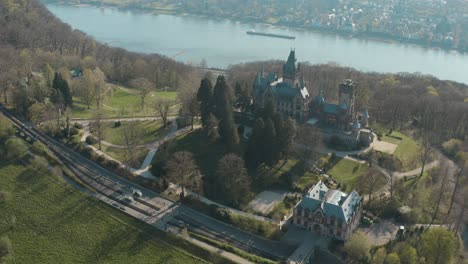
[(224, 42)]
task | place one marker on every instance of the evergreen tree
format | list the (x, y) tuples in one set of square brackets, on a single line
[(205, 97), (270, 149), (61, 94), (224, 113), (254, 151), (211, 128)]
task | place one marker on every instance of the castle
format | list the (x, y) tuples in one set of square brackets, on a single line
[(291, 98)]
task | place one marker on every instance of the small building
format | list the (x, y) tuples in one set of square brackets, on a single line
[(328, 212)]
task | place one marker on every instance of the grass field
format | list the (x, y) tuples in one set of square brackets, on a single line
[(346, 172), (49, 222), (150, 131), (120, 101), (407, 151), (119, 154)]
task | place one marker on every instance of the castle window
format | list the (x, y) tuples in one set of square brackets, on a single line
[(332, 221), (340, 223), (338, 233), (330, 231)]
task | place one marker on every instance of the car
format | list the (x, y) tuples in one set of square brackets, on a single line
[(137, 193), (115, 205), (120, 191)]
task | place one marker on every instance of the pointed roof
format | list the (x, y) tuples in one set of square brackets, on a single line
[(366, 114), (332, 202), (289, 68)]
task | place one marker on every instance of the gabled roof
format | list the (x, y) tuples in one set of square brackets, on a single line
[(332, 202)]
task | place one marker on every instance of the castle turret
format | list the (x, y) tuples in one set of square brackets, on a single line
[(365, 118)]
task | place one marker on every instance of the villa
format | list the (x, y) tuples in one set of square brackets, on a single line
[(328, 212)]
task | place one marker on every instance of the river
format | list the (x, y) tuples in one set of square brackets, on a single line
[(221, 42)]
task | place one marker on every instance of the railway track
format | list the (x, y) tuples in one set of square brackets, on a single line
[(106, 184)]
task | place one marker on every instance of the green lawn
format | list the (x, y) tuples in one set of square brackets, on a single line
[(407, 151), (277, 177), (346, 172), (121, 101), (150, 131), (47, 221), (119, 154)]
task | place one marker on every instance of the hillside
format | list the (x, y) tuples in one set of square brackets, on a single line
[(48, 221), (31, 37)]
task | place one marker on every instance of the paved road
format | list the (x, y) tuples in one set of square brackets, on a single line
[(153, 208)]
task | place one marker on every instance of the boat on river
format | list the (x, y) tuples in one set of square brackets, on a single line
[(253, 32)]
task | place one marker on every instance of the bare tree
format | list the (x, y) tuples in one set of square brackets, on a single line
[(307, 140), (144, 86), (97, 125), (425, 151), (131, 137), (162, 106), (233, 179), (190, 106), (182, 169), (458, 176), (369, 181), (443, 172)]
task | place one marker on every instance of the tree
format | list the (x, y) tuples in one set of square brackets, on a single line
[(87, 87), (425, 151), (368, 182), (308, 138), (144, 86), (456, 187), (379, 256), (254, 154), (6, 128), (183, 170), (98, 126), (162, 106), (205, 97), (190, 106), (131, 136), (37, 113), (15, 148), (211, 128), (271, 152), (233, 179), (357, 248), (392, 258), (61, 94), (408, 255), (438, 246), (285, 137), (224, 113)]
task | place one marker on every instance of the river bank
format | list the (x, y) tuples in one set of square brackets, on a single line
[(171, 10)]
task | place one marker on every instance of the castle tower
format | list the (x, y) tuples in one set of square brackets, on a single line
[(291, 73), (347, 94)]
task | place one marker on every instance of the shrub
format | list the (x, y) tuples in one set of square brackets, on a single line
[(117, 123), (75, 140), (74, 131), (452, 146), (78, 125), (4, 197), (40, 149), (5, 246), (91, 140), (15, 148)]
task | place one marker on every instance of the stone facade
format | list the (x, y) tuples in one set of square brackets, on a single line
[(328, 212), (288, 94)]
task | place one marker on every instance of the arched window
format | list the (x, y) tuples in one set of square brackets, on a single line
[(332, 220)]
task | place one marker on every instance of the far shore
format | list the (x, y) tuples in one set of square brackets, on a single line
[(361, 36)]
